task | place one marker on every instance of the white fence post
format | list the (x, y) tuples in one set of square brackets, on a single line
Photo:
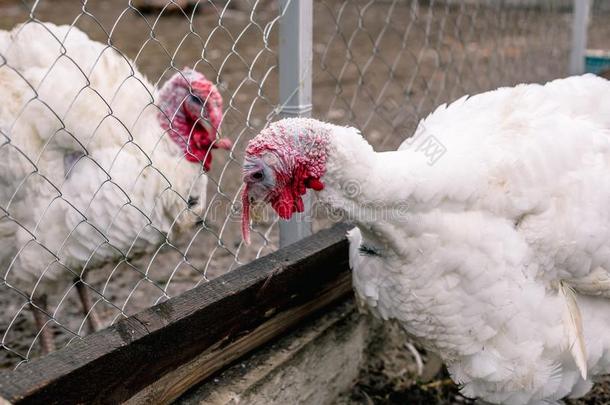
[(580, 23), (295, 62)]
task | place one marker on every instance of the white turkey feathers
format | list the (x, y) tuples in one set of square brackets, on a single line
[(499, 262)]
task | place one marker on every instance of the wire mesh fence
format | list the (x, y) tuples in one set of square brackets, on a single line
[(104, 208), (110, 202), (386, 64)]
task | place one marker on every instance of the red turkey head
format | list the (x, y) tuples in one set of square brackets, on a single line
[(193, 105), (281, 163)]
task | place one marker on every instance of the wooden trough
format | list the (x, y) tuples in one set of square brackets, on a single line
[(180, 342)]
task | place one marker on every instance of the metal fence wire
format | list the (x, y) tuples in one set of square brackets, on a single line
[(110, 111)]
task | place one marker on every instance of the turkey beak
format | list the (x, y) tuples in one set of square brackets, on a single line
[(223, 143), (254, 194), (206, 125)]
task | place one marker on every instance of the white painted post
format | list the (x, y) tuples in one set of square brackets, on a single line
[(580, 24), (295, 62)]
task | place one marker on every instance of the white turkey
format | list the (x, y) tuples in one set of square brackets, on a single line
[(495, 254), (96, 165)]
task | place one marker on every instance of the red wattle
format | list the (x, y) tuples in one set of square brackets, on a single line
[(284, 203), (299, 206)]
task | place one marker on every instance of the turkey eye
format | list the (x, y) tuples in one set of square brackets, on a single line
[(192, 201), (257, 176), (194, 99)]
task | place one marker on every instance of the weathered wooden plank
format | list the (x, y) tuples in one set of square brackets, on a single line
[(114, 364), (326, 352), (172, 385)]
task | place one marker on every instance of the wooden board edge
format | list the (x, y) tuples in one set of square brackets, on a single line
[(114, 364), (171, 386)]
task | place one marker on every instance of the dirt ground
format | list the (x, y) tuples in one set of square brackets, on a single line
[(389, 377), (379, 66)]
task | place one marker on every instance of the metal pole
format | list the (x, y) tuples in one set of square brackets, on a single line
[(295, 61), (580, 23)]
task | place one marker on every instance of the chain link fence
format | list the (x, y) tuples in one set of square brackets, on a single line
[(384, 65), (102, 189), (97, 199)]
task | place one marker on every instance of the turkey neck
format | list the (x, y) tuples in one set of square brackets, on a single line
[(370, 188)]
